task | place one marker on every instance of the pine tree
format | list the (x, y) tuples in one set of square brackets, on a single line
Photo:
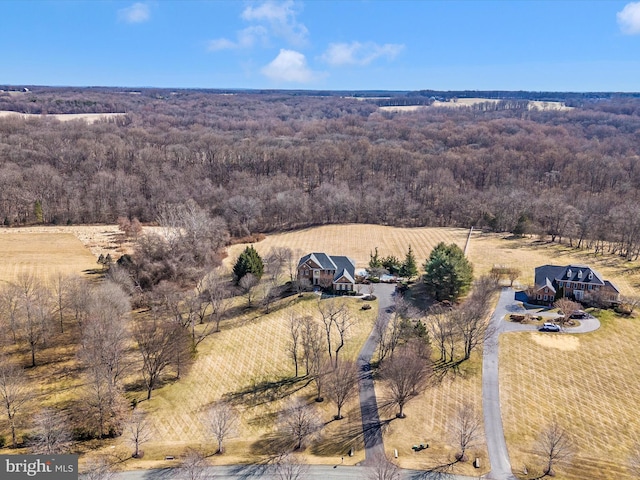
[(249, 261), (448, 273), (409, 268), (37, 211)]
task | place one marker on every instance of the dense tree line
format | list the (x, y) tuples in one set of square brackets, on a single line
[(279, 160)]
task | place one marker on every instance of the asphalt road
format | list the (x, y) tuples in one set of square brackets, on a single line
[(251, 472)]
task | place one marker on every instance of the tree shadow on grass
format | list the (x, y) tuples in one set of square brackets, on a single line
[(443, 471), (265, 391)]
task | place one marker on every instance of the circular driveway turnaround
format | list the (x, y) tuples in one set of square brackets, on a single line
[(496, 444)]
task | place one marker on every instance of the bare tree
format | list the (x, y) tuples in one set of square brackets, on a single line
[(471, 319), (98, 469), (311, 344), (300, 422), (15, 392), (383, 469), (194, 466), (513, 273), (330, 310), (60, 284), (247, 285), (294, 347), (105, 335), (286, 468), (466, 429), (343, 323), (138, 431), (406, 375), (216, 291), (51, 433), (567, 307), (554, 445), (157, 345), (387, 336), (10, 308), (341, 383), (34, 314), (221, 421), (442, 332)]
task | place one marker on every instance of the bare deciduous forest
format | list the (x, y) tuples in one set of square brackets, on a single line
[(267, 161)]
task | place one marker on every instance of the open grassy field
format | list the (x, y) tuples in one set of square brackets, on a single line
[(590, 383), (65, 117), (45, 254), (589, 380)]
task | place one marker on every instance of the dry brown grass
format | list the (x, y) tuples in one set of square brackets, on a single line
[(247, 354), (592, 388), (44, 254), (65, 117), (598, 399), (358, 241), (428, 421)]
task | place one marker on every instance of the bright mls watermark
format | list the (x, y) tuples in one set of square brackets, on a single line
[(45, 467)]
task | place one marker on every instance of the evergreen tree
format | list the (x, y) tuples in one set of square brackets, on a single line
[(374, 260), (409, 268), (249, 261), (448, 273), (37, 211)]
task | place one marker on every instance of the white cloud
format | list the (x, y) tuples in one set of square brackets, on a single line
[(356, 53), (136, 13), (281, 19), (247, 38), (289, 66), (629, 18)]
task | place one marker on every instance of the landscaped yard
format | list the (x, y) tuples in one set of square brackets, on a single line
[(590, 380)]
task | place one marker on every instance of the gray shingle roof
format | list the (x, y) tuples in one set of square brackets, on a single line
[(567, 273), (343, 266)]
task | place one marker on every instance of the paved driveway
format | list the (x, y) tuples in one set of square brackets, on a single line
[(496, 445)]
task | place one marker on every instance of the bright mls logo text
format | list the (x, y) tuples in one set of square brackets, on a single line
[(59, 467)]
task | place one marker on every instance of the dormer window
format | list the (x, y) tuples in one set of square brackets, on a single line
[(590, 275), (580, 274), (569, 273)]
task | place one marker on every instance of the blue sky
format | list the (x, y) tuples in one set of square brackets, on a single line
[(318, 44)]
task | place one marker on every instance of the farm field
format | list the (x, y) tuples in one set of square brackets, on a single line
[(597, 401), (65, 117), (44, 254)]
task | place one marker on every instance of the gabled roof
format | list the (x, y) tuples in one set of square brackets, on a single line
[(343, 266), (321, 259), (547, 283), (568, 273), (609, 284)]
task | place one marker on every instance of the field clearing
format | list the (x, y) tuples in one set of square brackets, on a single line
[(358, 241), (469, 102), (592, 388), (64, 117), (43, 254)]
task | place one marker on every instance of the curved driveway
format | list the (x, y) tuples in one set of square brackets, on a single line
[(496, 444)]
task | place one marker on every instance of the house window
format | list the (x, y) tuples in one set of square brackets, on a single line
[(545, 298), (539, 297), (590, 287)]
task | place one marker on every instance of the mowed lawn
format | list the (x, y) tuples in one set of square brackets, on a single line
[(589, 380), (248, 359), (590, 383), (43, 254)]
